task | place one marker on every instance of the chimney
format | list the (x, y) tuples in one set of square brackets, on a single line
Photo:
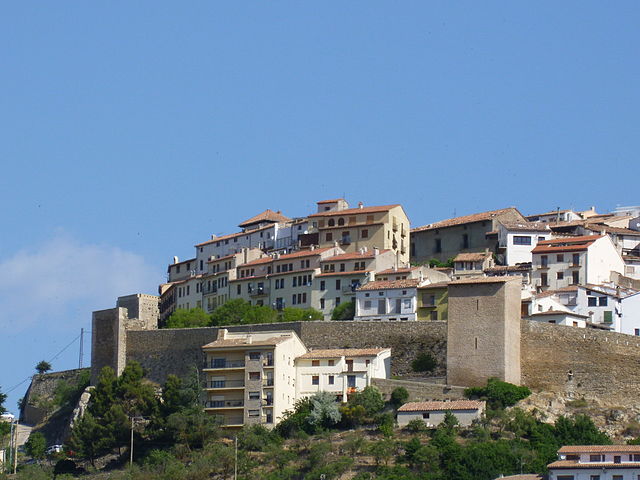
[(360, 205), (213, 236), (312, 248), (222, 334), (376, 251), (175, 259)]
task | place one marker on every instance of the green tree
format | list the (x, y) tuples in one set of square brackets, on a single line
[(324, 410), (382, 451), (192, 318), (295, 421), (3, 398), (36, 446), (291, 314), (399, 397), (89, 439), (43, 367), (579, 430), (370, 399), (344, 311), (424, 362), (498, 394), (231, 313)]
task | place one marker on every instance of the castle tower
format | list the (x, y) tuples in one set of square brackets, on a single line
[(483, 334)]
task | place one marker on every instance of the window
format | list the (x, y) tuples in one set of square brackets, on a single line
[(322, 285), (543, 280), (337, 301), (608, 317), (239, 289), (592, 301), (254, 375), (338, 284), (331, 380), (329, 237), (521, 240), (565, 477), (425, 416), (617, 459), (369, 218), (364, 233), (315, 380), (254, 395), (636, 332), (342, 267), (438, 247), (434, 315), (332, 222), (315, 363), (544, 261), (254, 355), (560, 275), (293, 299), (594, 477), (576, 259), (341, 221), (322, 303), (254, 413), (602, 301), (575, 277), (596, 458), (465, 241), (367, 304), (560, 258), (331, 363)]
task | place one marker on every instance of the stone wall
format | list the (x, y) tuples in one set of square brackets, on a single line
[(108, 340), (581, 362), (142, 309), (176, 351), (419, 391)]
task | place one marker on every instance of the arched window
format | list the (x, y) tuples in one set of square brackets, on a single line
[(332, 222), (341, 221)]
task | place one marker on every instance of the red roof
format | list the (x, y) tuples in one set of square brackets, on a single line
[(266, 216), (335, 200), (352, 256), (568, 244), (232, 235), (303, 253), (476, 217), (386, 284), (441, 406)]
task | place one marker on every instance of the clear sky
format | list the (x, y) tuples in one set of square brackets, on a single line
[(129, 131)]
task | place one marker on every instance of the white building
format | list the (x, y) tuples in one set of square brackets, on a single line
[(630, 321), (340, 371), (388, 300), (568, 261), (596, 462), (433, 413), (516, 240)]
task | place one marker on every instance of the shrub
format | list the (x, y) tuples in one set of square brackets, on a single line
[(424, 362), (399, 396), (370, 399), (498, 394), (416, 426), (344, 311)]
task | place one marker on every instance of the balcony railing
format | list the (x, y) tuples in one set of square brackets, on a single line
[(268, 382), (267, 362), (349, 288), (227, 421), (259, 291), (225, 364), (225, 384), (267, 402), (224, 404)]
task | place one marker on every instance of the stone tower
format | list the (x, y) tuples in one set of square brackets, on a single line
[(483, 335)]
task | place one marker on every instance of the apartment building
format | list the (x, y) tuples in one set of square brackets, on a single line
[(342, 274), (596, 462), (340, 371), (568, 261), (383, 227), (250, 377), (255, 377), (470, 233)]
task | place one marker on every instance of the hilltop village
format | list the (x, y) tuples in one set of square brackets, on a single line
[(491, 295)]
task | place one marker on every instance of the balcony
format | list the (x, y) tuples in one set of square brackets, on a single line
[(217, 364), (395, 227), (267, 402), (224, 404), (220, 384), (346, 240), (259, 292), (230, 421), (268, 382), (268, 362), (403, 231), (349, 289)]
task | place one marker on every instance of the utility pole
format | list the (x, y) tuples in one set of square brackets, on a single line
[(15, 447), (131, 449), (81, 347), (235, 467)]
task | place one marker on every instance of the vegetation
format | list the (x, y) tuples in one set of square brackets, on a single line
[(399, 396), (43, 367), (239, 312), (3, 398), (498, 394), (344, 311), (424, 362), (36, 446)]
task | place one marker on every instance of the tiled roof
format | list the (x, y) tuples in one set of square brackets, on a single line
[(508, 268), (387, 284), (476, 217), (233, 235), (599, 449), (523, 476), (558, 312), (555, 212), (351, 272), (615, 230), (594, 465), (391, 271), (258, 261), (330, 201), (568, 244), (352, 211), (182, 262), (465, 281), (440, 406), (548, 293), (343, 352), (243, 342), (303, 253), (526, 227), (266, 216), (352, 256), (434, 285), (471, 257)]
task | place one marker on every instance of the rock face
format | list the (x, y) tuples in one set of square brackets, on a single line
[(620, 422), (81, 407)]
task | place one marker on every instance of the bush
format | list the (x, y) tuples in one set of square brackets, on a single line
[(399, 396), (195, 317), (370, 399), (416, 426), (344, 311), (424, 362), (498, 394)]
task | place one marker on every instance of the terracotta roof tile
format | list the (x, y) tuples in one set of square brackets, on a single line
[(599, 448), (388, 284), (441, 406), (303, 253), (558, 312), (566, 244), (352, 256), (476, 217), (352, 211), (526, 227), (266, 216), (471, 257), (465, 281), (594, 465), (391, 271), (330, 201), (343, 352), (233, 235), (258, 261), (434, 285), (351, 272)]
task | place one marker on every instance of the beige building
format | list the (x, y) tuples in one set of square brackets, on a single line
[(470, 233), (483, 334), (382, 227), (472, 264), (395, 300), (250, 377)]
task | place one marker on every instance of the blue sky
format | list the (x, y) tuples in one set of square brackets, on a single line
[(130, 131)]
